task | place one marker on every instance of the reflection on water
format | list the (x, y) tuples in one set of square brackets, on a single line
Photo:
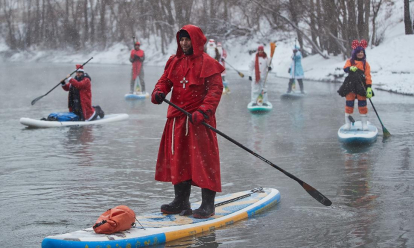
[(78, 143)]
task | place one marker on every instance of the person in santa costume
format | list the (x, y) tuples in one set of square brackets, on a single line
[(80, 96), (358, 83), (137, 58), (259, 66), (188, 153), (223, 55)]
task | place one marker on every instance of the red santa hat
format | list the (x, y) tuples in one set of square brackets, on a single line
[(137, 43), (211, 42), (79, 68), (219, 44), (260, 48)]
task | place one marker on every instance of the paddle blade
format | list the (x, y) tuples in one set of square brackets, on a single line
[(385, 132), (241, 74), (37, 99), (272, 48), (316, 194)]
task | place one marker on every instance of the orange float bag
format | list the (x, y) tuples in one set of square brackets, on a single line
[(117, 219)]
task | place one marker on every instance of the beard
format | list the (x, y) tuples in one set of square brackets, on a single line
[(188, 52)]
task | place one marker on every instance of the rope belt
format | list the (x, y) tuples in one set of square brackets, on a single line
[(172, 135)]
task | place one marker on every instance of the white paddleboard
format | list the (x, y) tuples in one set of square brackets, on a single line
[(259, 108), (43, 124), (161, 228), (355, 135), (136, 96)]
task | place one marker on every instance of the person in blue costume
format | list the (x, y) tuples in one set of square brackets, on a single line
[(296, 70)]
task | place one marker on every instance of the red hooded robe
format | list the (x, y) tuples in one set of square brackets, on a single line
[(187, 151)]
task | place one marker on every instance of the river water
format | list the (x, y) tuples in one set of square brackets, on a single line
[(59, 180)]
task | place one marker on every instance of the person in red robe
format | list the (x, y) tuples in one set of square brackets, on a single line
[(80, 96), (188, 153), (137, 58)]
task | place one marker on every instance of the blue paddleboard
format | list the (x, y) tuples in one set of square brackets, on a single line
[(158, 228), (259, 108), (292, 95), (136, 96), (355, 135)]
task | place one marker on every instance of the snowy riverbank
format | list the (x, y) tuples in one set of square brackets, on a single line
[(391, 61)]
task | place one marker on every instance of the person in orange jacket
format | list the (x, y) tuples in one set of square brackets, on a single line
[(357, 84)]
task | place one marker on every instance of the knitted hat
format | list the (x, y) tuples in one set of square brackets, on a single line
[(260, 48), (183, 33)]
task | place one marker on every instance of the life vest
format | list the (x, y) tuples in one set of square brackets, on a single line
[(117, 219)]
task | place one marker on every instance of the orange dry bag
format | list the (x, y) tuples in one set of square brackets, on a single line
[(117, 219)]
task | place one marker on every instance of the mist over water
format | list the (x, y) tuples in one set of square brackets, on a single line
[(60, 180)]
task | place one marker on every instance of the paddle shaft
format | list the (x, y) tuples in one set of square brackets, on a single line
[(38, 98), (241, 74), (264, 83), (384, 130), (312, 191)]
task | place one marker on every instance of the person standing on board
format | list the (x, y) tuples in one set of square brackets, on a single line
[(80, 96), (296, 70), (137, 58), (188, 153), (259, 66), (222, 61), (357, 85)]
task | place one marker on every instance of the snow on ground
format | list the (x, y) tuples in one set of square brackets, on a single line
[(391, 62)]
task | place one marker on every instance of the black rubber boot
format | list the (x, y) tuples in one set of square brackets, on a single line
[(99, 111), (143, 87), (290, 85), (300, 81), (207, 208), (181, 202)]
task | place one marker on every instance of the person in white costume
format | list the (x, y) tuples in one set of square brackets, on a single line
[(259, 66)]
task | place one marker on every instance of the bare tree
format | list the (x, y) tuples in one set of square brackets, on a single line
[(407, 18)]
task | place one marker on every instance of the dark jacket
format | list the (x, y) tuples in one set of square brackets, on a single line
[(354, 82)]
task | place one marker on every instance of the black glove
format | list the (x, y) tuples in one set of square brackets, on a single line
[(269, 68), (250, 78), (157, 97), (63, 82), (136, 57)]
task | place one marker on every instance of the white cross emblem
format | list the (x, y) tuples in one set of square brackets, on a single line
[(184, 81)]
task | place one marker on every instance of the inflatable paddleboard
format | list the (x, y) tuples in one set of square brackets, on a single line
[(356, 135), (226, 89), (158, 228), (259, 108), (292, 95), (136, 96), (43, 123)]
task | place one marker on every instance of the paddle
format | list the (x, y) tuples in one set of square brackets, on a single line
[(40, 97), (240, 74), (312, 191), (294, 68), (259, 99), (385, 132)]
